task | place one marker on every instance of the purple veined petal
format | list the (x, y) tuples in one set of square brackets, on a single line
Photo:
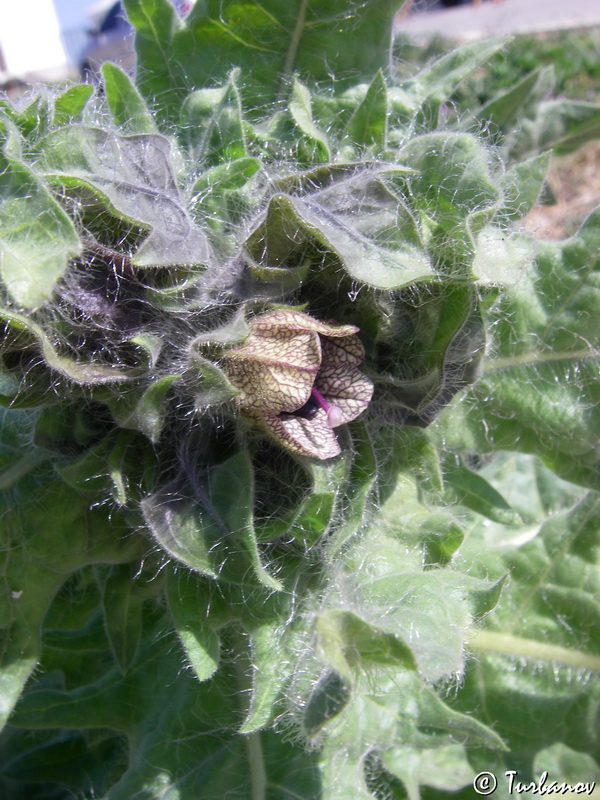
[(308, 437), (288, 318), (274, 370), (299, 379), (340, 381), (345, 350)]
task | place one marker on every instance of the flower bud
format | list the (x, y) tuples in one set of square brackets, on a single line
[(299, 378)]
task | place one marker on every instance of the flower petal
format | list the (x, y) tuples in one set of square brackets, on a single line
[(288, 318), (339, 380), (308, 437), (345, 350), (275, 368)]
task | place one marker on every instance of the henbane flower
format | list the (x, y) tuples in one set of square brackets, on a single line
[(299, 379)]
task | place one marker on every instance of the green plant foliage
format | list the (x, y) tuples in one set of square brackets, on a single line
[(268, 41), (300, 431)]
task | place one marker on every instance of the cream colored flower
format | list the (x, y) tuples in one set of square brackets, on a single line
[(299, 378)]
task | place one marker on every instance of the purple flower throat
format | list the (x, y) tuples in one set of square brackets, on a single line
[(335, 415)]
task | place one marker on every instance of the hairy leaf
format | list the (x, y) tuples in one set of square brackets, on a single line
[(37, 238), (269, 42), (135, 174), (539, 392), (210, 535)]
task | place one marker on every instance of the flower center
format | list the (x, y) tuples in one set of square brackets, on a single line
[(335, 415)]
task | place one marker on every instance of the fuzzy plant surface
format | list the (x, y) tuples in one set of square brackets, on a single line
[(300, 443)]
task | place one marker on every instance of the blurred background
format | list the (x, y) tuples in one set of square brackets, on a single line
[(52, 40)]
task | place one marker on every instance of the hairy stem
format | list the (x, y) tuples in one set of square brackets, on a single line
[(295, 40), (240, 644), (489, 641), (258, 774), (537, 358)]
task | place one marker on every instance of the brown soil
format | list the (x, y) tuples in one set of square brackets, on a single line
[(575, 183)]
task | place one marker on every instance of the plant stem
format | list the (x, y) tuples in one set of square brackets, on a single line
[(240, 644), (489, 641), (295, 40), (258, 774), (526, 359)]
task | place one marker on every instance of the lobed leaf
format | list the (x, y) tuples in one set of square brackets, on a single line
[(210, 535), (379, 246), (269, 42), (538, 651), (539, 391), (135, 174), (37, 238)]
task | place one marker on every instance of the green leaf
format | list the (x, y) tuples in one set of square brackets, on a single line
[(565, 764), (367, 126), (345, 641), (35, 118), (269, 42), (44, 539), (430, 347), (539, 652), (211, 385), (157, 704), (270, 654), (37, 238), (216, 188), (294, 131), (213, 122), (263, 642), (403, 709), (210, 535), (125, 102), (505, 109), (563, 125), (11, 140), (502, 259), (369, 246), (144, 410), (446, 769), (68, 759), (327, 700), (310, 519), (187, 595), (88, 472), (439, 81), (358, 490), (136, 175), (123, 614), (568, 125), (91, 638), (473, 491), (313, 140), (70, 104), (77, 371), (523, 184), (406, 609), (539, 392), (454, 191)]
